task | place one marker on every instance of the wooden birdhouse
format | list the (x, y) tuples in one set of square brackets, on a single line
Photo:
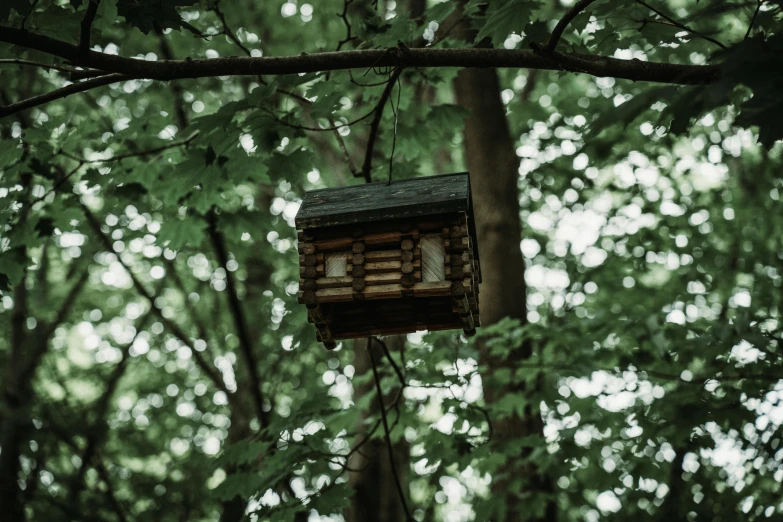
[(381, 259)]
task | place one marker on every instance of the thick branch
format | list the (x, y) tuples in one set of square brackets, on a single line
[(331, 61), (572, 13)]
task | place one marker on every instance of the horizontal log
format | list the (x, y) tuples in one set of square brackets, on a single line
[(333, 282), (334, 245), (386, 266), (311, 272), (382, 238), (390, 255), (387, 291)]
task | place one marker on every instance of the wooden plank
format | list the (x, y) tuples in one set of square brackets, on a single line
[(374, 202), (386, 278), (388, 238), (334, 295), (385, 267), (383, 292), (334, 282), (383, 255), (332, 245), (433, 289)]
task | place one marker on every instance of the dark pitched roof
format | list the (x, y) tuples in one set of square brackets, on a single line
[(374, 202)]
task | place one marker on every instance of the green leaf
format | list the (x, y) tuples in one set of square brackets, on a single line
[(176, 233), (22, 7), (12, 266), (503, 20), (147, 15)]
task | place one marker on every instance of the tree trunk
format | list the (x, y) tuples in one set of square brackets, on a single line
[(376, 496), (493, 166)]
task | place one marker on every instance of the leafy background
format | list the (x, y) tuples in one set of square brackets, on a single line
[(653, 245)]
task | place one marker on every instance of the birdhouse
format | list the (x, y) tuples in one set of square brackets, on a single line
[(382, 259)]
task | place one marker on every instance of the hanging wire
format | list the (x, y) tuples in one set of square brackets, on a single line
[(389, 447)]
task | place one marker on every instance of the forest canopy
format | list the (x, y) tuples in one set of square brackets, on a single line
[(625, 169)]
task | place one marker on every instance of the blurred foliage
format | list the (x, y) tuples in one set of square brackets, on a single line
[(653, 237)]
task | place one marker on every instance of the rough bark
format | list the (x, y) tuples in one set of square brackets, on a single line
[(375, 496), (493, 167), (331, 61)]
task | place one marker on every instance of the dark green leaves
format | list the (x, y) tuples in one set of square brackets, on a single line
[(148, 15), (502, 19), (22, 7)]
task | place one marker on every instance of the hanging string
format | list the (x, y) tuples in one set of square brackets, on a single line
[(394, 138), (387, 431)]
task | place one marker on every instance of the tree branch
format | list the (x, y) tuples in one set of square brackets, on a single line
[(572, 13), (63, 92), (120, 157), (753, 18), (67, 304), (240, 321), (86, 27), (376, 122), (387, 432), (146, 294), (680, 25), (55, 67), (362, 59)]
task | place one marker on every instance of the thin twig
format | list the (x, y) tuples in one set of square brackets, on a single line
[(31, 63), (176, 331), (86, 26), (397, 370), (240, 320), (680, 25), (319, 129), (227, 29), (376, 122), (753, 18), (148, 152), (63, 92), (389, 446), (344, 16), (561, 26)]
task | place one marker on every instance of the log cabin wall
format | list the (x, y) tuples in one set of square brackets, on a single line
[(390, 276)]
